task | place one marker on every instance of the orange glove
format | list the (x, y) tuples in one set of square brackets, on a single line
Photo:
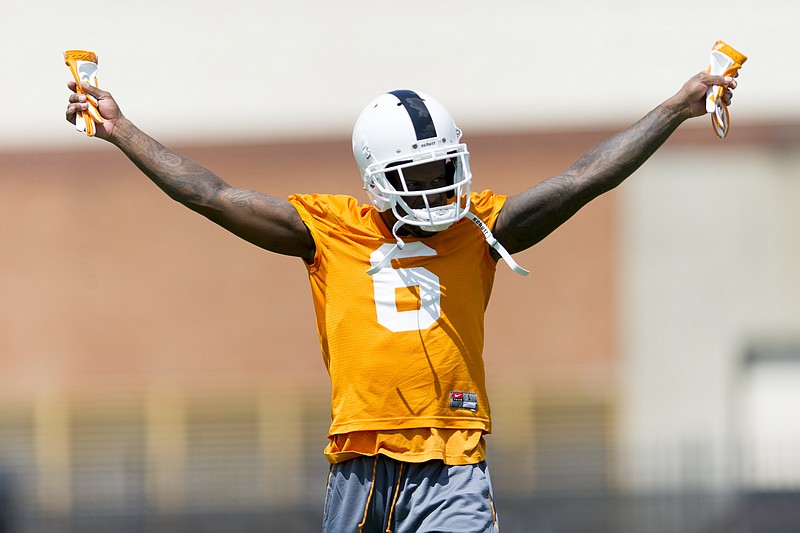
[(725, 61), (83, 65)]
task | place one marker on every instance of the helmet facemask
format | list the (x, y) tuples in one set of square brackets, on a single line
[(443, 200)]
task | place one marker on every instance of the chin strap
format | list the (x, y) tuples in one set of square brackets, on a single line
[(487, 234), (495, 245)]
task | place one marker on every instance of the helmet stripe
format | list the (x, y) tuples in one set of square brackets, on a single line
[(417, 112)]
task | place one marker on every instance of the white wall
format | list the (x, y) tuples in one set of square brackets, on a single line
[(194, 69), (710, 255)]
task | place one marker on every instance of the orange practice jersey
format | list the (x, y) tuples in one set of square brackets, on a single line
[(403, 348)]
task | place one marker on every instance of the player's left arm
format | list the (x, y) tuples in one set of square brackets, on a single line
[(530, 216)]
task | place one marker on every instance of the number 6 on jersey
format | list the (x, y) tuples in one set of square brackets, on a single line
[(387, 280)]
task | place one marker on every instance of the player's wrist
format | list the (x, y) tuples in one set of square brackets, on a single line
[(678, 108), (121, 131)]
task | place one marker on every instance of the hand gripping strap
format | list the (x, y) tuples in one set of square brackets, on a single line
[(725, 61), (83, 66)]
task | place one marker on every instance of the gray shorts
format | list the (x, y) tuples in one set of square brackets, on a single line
[(378, 494)]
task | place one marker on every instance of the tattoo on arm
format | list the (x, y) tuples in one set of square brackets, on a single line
[(243, 199), (529, 217), (254, 202), (258, 218), (181, 178)]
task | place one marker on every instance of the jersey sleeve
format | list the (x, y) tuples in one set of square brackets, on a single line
[(311, 208), (487, 206), (321, 213)]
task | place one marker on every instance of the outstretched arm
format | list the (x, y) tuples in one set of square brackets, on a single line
[(530, 216), (268, 222)]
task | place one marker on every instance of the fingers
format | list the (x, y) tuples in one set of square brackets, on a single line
[(92, 90), (725, 81), (74, 108), (78, 104), (711, 80), (87, 99), (729, 85), (71, 113), (727, 96), (86, 88), (75, 98)]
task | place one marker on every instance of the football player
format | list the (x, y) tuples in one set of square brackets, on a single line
[(409, 403)]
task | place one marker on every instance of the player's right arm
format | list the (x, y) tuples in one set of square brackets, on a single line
[(267, 222)]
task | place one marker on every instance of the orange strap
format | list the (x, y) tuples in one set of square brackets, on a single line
[(369, 496), (394, 500)]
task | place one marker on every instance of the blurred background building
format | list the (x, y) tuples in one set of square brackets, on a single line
[(158, 374)]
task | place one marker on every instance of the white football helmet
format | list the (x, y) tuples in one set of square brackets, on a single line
[(402, 129)]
